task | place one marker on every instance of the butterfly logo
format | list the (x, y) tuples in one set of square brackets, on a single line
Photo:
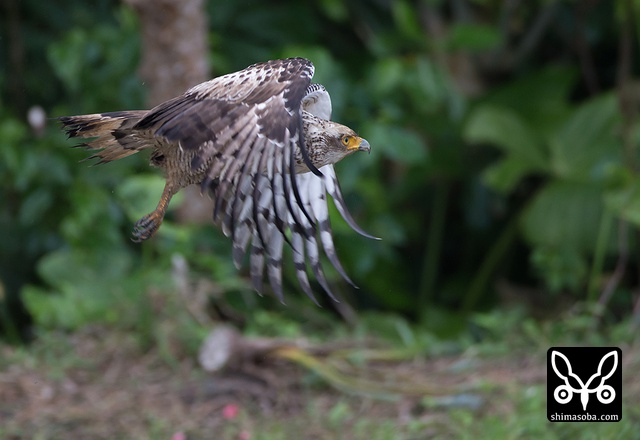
[(564, 393)]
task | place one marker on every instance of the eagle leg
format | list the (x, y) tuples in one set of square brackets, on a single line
[(150, 223)]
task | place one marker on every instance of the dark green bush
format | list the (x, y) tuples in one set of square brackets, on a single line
[(494, 158)]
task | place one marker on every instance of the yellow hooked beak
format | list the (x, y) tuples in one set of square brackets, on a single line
[(359, 144), (364, 146)]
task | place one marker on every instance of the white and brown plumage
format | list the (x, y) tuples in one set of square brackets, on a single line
[(261, 142)]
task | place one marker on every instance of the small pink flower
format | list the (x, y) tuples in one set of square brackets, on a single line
[(179, 436), (244, 435), (230, 411)]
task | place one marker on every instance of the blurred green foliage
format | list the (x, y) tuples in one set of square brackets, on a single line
[(494, 157)]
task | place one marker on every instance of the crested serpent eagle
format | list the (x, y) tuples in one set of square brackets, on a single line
[(261, 142)]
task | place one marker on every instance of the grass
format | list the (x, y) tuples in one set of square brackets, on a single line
[(102, 382)]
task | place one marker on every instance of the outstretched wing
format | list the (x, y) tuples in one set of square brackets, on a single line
[(318, 102), (262, 100), (314, 191), (262, 211), (245, 128)]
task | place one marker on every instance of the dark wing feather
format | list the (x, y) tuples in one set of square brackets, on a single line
[(245, 127), (215, 110)]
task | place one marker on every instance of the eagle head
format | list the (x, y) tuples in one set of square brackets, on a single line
[(328, 142)]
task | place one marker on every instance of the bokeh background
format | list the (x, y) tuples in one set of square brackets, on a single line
[(503, 178)]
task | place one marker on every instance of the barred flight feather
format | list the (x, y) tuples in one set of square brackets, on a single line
[(261, 142)]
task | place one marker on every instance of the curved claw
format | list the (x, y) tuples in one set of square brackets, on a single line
[(149, 224), (146, 226)]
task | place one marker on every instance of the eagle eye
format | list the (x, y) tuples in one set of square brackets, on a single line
[(346, 140)]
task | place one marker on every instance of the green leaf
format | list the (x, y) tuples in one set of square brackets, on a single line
[(396, 143), (625, 201), (506, 130), (87, 287), (35, 205), (564, 214), (587, 143), (66, 267), (560, 267), (406, 19), (91, 221), (505, 175), (427, 84), (336, 10), (66, 59), (540, 98), (386, 76), (473, 37)]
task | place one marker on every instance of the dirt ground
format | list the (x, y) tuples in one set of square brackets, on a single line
[(98, 384)]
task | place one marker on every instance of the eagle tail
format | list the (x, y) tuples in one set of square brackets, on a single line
[(114, 135)]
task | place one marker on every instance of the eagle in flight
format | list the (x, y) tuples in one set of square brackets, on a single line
[(261, 142)]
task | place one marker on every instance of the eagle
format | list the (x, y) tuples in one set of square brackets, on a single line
[(261, 143)]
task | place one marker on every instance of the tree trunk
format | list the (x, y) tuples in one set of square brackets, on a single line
[(174, 46), (175, 58)]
